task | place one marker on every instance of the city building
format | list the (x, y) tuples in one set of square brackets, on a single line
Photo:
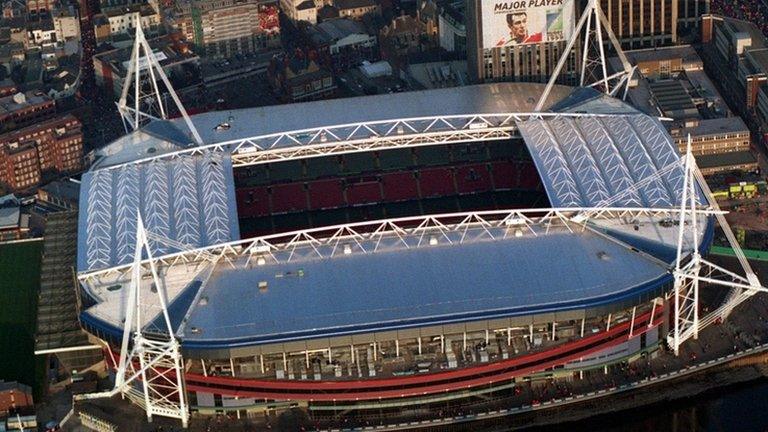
[(439, 74), (300, 10), (670, 82), (111, 66), (23, 109), (59, 194), (300, 79), (345, 40), (224, 28), (122, 20), (356, 8), (49, 147), (428, 12), (36, 7), (403, 35), (15, 397), (736, 55), (66, 23), (14, 225), (42, 32), (496, 53), (644, 23), (452, 33), (690, 12)]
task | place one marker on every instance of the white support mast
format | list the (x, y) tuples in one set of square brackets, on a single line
[(146, 102), (150, 371), (593, 26), (691, 269)]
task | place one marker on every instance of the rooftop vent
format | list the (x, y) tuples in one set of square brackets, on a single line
[(432, 240), (603, 255), (263, 286), (195, 330), (222, 127), (203, 301), (347, 249), (261, 260)]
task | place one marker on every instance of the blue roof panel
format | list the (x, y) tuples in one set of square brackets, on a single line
[(399, 289)]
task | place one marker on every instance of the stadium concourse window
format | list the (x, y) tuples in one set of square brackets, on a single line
[(412, 356), (332, 190)]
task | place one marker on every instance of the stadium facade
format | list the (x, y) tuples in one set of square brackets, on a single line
[(388, 251)]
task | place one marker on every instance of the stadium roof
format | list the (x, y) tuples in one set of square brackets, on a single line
[(189, 200), (593, 161), (239, 302), (612, 157), (320, 298), (249, 122)]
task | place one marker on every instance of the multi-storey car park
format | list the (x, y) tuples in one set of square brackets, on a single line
[(386, 251)]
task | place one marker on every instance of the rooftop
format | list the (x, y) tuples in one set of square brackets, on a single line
[(295, 292), (759, 58), (336, 29), (672, 98), (189, 200), (167, 50), (721, 125), (10, 211), (741, 26), (725, 159), (430, 287), (21, 101), (353, 4)]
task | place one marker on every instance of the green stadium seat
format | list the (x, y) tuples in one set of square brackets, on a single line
[(402, 209), (286, 171), (433, 155), (256, 226), (321, 218), (366, 213), (477, 202), (397, 159), (504, 150), (359, 162), (325, 166), (291, 221), (471, 152), (440, 205)]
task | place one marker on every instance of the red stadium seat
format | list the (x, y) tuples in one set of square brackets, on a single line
[(364, 192), (400, 186), (473, 178), (505, 175), (436, 182), (529, 177), (325, 194), (252, 202), (289, 198)]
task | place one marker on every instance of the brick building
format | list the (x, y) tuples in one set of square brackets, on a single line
[(24, 109), (14, 397), (53, 146)]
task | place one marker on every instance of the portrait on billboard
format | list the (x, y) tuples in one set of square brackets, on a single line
[(522, 22)]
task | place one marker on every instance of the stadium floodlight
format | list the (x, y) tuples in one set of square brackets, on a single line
[(144, 70), (594, 66)]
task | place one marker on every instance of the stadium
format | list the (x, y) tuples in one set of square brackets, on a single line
[(389, 251)]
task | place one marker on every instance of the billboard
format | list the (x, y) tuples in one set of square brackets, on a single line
[(520, 22)]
